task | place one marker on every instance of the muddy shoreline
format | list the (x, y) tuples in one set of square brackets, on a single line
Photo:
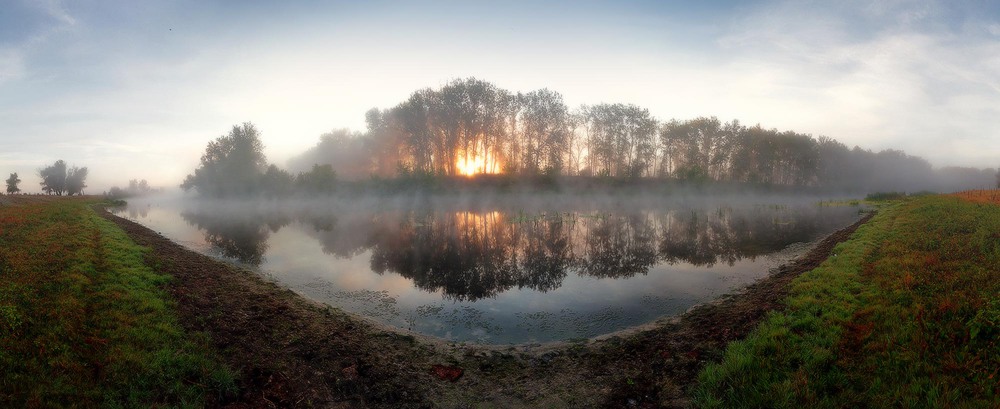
[(289, 351)]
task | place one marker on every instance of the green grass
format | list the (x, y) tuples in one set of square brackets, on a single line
[(84, 321), (905, 314)]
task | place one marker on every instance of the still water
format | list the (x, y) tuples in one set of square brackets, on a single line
[(501, 273)]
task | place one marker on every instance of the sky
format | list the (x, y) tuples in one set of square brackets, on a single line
[(136, 89)]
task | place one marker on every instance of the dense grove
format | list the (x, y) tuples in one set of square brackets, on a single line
[(473, 126)]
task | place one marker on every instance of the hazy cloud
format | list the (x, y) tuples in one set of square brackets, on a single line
[(904, 74)]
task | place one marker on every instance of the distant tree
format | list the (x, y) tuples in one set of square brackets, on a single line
[(12, 182), (231, 164), (54, 178), (75, 181), (321, 179), (348, 152), (998, 178), (135, 187), (117, 193), (277, 182)]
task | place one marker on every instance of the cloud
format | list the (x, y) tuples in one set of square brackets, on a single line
[(902, 74), (14, 54), (56, 10)]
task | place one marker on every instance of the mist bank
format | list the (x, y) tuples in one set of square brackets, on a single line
[(470, 134), (322, 183)]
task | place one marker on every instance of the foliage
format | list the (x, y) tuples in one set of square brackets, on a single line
[(321, 179), (75, 181), (231, 165), (135, 188), (12, 183), (54, 178), (84, 322), (438, 131), (277, 182), (903, 314), (59, 179)]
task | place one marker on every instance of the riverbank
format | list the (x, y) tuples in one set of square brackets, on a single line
[(339, 358), (85, 322), (283, 350), (906, 314)]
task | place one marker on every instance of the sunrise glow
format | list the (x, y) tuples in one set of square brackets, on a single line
[(471, 165)]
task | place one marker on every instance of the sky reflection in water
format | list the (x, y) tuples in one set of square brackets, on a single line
[(503, 274)]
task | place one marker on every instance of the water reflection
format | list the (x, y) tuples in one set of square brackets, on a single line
[(472, 255), (237, 236)]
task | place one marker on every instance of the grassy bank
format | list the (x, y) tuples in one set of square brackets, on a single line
[(84, 322), (906, 313)]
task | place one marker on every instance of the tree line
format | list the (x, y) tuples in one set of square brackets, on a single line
[(470, 126), (57, 179), (135, 187), (528, 134)]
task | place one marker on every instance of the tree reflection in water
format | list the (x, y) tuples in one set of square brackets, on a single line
[(239, 236), (470, 255)]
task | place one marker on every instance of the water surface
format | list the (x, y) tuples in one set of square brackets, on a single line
[(512, 272)]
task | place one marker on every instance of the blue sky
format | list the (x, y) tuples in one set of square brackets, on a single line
[(136, 89)]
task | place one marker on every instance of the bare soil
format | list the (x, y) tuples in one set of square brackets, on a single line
[(292, 352)]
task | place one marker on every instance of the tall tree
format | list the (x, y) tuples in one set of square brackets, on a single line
[(544, 120), (621, 140), (12, 182), (54, 178), (231, 164)]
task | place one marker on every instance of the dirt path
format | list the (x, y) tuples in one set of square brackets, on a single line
[(291, 352)]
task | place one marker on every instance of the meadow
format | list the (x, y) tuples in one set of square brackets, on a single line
[(906, 313), (85, 322)]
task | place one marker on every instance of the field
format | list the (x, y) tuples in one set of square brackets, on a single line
[(906, 314), (84, 322)]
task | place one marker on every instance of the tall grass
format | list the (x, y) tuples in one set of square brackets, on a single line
[(905, 313)]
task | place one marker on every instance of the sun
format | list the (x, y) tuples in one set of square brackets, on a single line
[(471, 165)]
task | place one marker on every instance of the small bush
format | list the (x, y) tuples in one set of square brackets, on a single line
[(883, 196)]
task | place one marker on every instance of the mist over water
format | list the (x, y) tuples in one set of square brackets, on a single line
[(505, 269)]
